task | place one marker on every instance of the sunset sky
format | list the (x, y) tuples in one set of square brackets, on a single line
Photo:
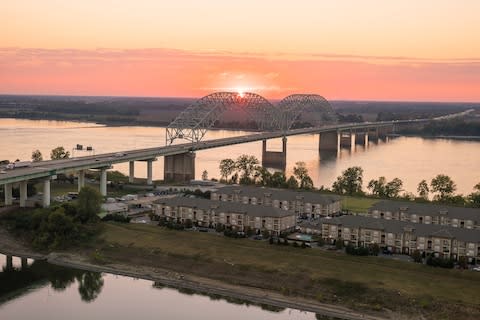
[(350, 49)]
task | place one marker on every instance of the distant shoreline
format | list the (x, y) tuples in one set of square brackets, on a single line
[(165, 124)]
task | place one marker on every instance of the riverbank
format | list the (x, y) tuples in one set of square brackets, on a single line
[(169, 278), (308, 279)]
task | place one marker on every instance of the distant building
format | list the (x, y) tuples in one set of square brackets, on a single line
[(304, 203), (468, 218), (401, 236), (235, 216), (115, 208)]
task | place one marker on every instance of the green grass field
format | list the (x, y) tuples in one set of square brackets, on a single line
[(384, 280), (357, 204)]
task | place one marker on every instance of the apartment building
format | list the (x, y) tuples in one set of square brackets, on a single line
[(306, 204), (402, 236), (236, 216), (468, 218)]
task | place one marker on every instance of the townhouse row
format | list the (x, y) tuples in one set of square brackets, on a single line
[(398, 236), (312, 205), (235, 216), (423, 213)]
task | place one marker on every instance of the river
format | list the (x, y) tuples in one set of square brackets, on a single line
[(408, 158), (43, 291)]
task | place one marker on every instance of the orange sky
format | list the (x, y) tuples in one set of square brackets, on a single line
[(369, 49)]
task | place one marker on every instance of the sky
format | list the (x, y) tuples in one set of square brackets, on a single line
[(411, 50)]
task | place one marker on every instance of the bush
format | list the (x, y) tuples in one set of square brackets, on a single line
[(117, 218), (440, 262)]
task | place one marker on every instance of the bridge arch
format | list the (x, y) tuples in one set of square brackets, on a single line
[(195, 120), (292, 107)]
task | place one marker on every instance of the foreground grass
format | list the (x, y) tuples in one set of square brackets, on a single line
[(363, 282), (357, 204)]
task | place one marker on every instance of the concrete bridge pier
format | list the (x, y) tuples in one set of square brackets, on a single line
[(179, 167), (373, 134), (329, 141), (103, 182), (46, 193), (9, 265), (81, 179), (361, 138), (131, 171), (23, 193), (275, 159), (150, 171), (24, 263), (8, 194), (347, 139)]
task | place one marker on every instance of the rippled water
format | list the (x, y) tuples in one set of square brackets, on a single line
[(409, 158)]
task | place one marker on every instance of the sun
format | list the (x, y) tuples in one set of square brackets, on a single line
[(240, 92)]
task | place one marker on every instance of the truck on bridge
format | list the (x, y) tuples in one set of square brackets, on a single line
[(18, 164)]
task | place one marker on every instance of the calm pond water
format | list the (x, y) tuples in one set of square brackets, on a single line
[(44, 291), (409, 158)]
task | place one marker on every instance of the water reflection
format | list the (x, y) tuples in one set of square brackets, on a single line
[(214, 297), (17, 280), (52, 292)]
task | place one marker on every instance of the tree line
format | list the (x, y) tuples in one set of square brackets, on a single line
[(246, 170), (441, 187)]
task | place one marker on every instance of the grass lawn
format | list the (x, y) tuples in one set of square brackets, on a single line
[(357, 204), (351, 277)]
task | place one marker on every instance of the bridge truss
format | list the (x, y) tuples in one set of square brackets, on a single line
[(192, 124)]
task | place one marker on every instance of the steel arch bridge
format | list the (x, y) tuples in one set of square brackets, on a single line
[(192, 124), (292, 107)]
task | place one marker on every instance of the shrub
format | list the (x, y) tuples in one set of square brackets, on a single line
[(117, 218)]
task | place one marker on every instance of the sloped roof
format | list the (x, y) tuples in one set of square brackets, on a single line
[(396, 226), (223, 206), (428, 209), (281, 194)]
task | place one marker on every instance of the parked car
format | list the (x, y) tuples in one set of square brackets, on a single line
[(258, 237)]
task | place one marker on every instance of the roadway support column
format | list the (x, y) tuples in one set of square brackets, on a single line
[(179, 167), (46, 193), (8, 194), (329, 141), (81, 179), (23, 193), (9, 265), (103, 182), (149, 172), (131, 171), (275, 159), (24, 263)]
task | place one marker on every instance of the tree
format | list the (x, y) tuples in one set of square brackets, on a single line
[(393, 188), (227, 167), (301, 173), (377, 187), (278, 180), (350, 182), (264, 175), (423, 189), (59, 153), (205, 175), (474, 198), (89, 204), (37, 156), (246, 164), (292, 183), (444, 186)]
